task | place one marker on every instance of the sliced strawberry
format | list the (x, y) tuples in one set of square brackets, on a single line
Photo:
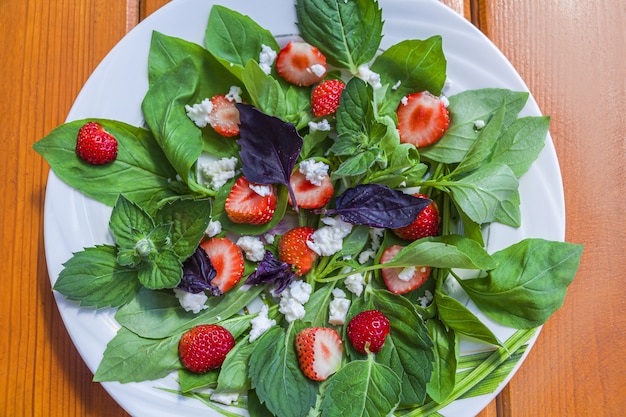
[(422, 119), (292, 248), (309, 195), (205, 347), (319, 352), (244, 204), (95, 145), (325, 97), (301, 64), (227, 259), (402, 280), (224, 116), (426, 223), (368, 330)]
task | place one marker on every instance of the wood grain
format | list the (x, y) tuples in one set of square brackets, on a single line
[(571, 54)]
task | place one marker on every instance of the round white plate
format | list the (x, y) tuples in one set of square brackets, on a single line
[(116, 88)]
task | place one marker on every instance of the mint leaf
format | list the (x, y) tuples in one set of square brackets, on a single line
[(128, 223), (94, 279), (268, 154), (362, 388), (348, 33), (276, 376), (528, 285), (164, 270), (130, 358), (141, 170)]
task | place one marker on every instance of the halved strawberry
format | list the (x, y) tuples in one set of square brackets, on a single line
[(227, 259), (401, 280), (301, 64), (95, 145), (244, 204), (422, 119), (224, 116), (426, 223), (319, 352), (325, 97), (309, 195), (292, 248), (204, 347)]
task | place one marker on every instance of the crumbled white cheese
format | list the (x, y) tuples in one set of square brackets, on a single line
[(217, 173), (262, 190), (269, 238), (354, 283), (445, 100), (214, 228), (407, 273), (404, 100), (227, 398), (369, 76), (267, 58), (234, 94), (479, 124), (292, 300), (253, 248), (260, 324), (322, 126), (317, 69), (426, 299), (376, 235), (191, 302), (366, 255), (338, 307), (314, 171), (328, 240), (199, 113), (396, 85)]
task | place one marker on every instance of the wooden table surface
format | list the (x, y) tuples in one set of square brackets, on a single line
[(572, 55)]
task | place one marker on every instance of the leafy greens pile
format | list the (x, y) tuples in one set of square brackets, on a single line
[(161, 210)]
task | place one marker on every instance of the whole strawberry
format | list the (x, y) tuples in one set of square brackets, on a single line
[(426, 223), (368, 330), (292, 248), (319, 352), (204, 347), (325, 97), (94, 145)]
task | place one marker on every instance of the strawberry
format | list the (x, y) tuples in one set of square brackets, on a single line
[(367, 331), (309, 195), (426, 223), (422, 119), (325, 97), (245, 205), (227, 259), (319, 352), (204, 347), (224, 116), (292, 248), (95, 145), (401, 280), (301, 64)]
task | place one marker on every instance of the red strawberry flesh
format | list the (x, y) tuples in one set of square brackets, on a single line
[(422, 119), (301, 64), (426, 223), (325, 97), (309, 195), (227, 259), (401, 280), (292, 248), (245, 205), (319, 352), (224, 116)]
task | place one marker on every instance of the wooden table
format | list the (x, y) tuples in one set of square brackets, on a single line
[(572, 55)]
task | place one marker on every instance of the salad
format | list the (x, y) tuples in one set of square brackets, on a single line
[(169, 187)]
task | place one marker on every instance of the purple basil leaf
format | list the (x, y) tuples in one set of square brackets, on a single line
[(377, 205), (269, 147), (272, 271), (198, 272)]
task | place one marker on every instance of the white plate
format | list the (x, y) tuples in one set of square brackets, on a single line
[(116, 88)]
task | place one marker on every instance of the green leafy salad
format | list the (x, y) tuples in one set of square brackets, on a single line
[(181, 259)]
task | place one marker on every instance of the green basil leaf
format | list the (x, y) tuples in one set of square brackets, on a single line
[(94, 279), (529, 284), (520, 144), (456, 316), (362, 388), (348, 33), (489, 194), (141, 170), (189, 381), (233, 376), (163, 271), (130, 358), (276, 376), (189, 220), (446, 348)]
